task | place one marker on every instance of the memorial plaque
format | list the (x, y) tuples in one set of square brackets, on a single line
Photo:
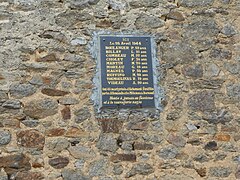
[(126, 69)]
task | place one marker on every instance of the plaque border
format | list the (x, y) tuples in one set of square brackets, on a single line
[(95, 50)]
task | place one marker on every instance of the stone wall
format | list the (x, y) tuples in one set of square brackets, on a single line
[(49, 128)]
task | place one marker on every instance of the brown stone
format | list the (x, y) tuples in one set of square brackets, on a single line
[(66, 113), (142, 146), (38, 163), (194, 141), (55, 132), (75, 132), (236, 137), (111, 125), (15, 163), (202, 172), (10, 122), (176, 140), (228, 128), (104, 23), (123, 157), (31, 139), (47, 58), (138, 125), (54, 92), (59, 162), (29, 176), (175, 15), (46, 80), (1, 77), (222, 137)]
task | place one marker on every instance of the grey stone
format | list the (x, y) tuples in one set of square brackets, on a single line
[(49, 34), (152, 138), (233, 91), (236, 159), (169, 152), (207, 84), (201, 158), (26, 5), (194, 71), (148, 21), (174, 115), (237, 174), (220, 172), (191, 127), (36, 80), (30, 122), (228, 30), (233, 68), (79, 164), (144, 3), (12, 104), (98, 168), (117, 4), (117, 169), (137, 122), (22, 90), (177, 176), (220, 157), (203, 31), (3, 175), (220, 53), (15, 163), (174, 52), (127, 136), (145, 157), (68, 101), (82, 114), (106, 142), (157, 126), (71, 174), (105, 178), (202, 101), (140, 168), (127, 146), (76, 4), (70, 18), (195, 3), (36, 65), (79, 41), (212, 70), (57, 145), (41, 108), (225, 1), (218, 116), (80, 151), (73, 58), (3, 96), (5, 137), (229, 147)]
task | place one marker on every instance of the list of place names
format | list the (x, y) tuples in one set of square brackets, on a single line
[(126, 72)]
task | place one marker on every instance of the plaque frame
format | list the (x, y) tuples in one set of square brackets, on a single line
[(95, 50)]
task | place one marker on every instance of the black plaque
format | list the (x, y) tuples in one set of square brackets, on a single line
[(126, 72)]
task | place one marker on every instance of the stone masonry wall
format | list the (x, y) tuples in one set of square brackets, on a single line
[(49, 128)]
